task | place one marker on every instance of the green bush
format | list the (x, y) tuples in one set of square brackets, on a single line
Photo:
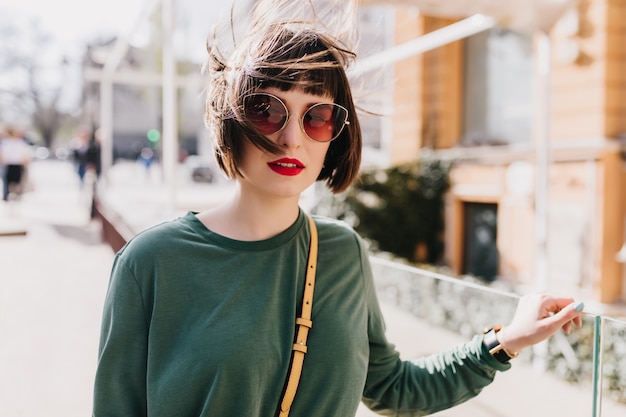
[(399, 209)]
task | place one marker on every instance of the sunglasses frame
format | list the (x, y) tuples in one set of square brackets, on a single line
[(300, 117)]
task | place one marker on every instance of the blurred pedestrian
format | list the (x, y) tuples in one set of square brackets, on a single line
[(93, 154), (15, 155), (146, 158), (3, 135), (213, 314), (86, 155), (80, 148)]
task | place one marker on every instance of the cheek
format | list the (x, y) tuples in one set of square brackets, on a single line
[(319, 155), (316, 163), (250, 156)]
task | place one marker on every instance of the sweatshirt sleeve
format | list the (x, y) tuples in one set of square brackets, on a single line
[(120, 383), (403, 388)]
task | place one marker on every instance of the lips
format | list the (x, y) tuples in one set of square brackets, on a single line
[(286, 166)]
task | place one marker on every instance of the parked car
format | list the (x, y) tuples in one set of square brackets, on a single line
[(200, 169)]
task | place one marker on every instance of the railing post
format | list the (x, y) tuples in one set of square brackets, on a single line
[(597, 367)]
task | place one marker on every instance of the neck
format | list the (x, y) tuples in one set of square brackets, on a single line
[(251, 218)]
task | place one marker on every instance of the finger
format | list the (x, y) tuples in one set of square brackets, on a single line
[(557, 304), (578, 306), (567, 327), (565, 316), (572, 309), (578, 321)]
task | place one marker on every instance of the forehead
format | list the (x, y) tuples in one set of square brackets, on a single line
[(324, 79), (297, 97)]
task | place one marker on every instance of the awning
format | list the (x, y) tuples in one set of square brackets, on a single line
[(521, 15)]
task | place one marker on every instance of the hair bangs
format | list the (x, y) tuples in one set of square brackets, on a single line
[(300, 60)]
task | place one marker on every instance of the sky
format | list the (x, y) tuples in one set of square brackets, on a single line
[(73, 23), (77, 20)]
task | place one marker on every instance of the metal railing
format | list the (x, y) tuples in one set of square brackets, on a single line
[(584, 370)]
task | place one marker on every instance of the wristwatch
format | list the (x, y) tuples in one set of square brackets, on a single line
[(490, 340)]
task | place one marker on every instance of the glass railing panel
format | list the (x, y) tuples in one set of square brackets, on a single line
[(556, 377), (610, 363)]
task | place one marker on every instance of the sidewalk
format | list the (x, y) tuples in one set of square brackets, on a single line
[(54, 279), (52, 285)]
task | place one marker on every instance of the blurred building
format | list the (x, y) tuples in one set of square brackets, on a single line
[(137, 91), (477, 102)]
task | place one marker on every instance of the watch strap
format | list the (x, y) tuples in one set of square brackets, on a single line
[(490, 340)]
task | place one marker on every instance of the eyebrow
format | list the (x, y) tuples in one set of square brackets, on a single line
[(277, 92), (308, 104)]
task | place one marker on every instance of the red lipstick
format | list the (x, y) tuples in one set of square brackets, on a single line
[(286, 166)]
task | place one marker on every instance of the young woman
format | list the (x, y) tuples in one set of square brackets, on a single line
[(200, 317)]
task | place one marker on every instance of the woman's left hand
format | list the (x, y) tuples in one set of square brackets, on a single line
[(539, 316)]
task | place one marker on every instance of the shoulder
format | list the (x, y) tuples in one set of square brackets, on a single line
[(336, 232), (160, 239), (331, 225), (343, 254)]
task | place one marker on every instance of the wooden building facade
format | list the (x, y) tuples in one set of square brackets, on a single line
[(476, 102)]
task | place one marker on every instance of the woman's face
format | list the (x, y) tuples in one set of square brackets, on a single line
[(288, 174)]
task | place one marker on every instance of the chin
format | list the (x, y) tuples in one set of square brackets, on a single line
[(290, 190)]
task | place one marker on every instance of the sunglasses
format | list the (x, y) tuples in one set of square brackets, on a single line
[(321, 122)]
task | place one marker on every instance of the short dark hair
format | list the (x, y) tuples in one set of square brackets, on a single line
[(287, 56)]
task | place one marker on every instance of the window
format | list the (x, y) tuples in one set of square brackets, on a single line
[(498, 88)]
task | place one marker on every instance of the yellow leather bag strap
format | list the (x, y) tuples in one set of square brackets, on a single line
[(304, 323)]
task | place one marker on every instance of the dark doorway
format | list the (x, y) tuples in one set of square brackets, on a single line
[(480, 240)]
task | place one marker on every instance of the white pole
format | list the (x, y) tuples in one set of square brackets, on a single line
[(106, 127), (106, 77), (542, 178), (170, 129)]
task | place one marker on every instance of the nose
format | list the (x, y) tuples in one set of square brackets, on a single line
[(292, 135)]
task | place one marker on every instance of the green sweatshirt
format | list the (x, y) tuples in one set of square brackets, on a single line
[(199, 325)]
